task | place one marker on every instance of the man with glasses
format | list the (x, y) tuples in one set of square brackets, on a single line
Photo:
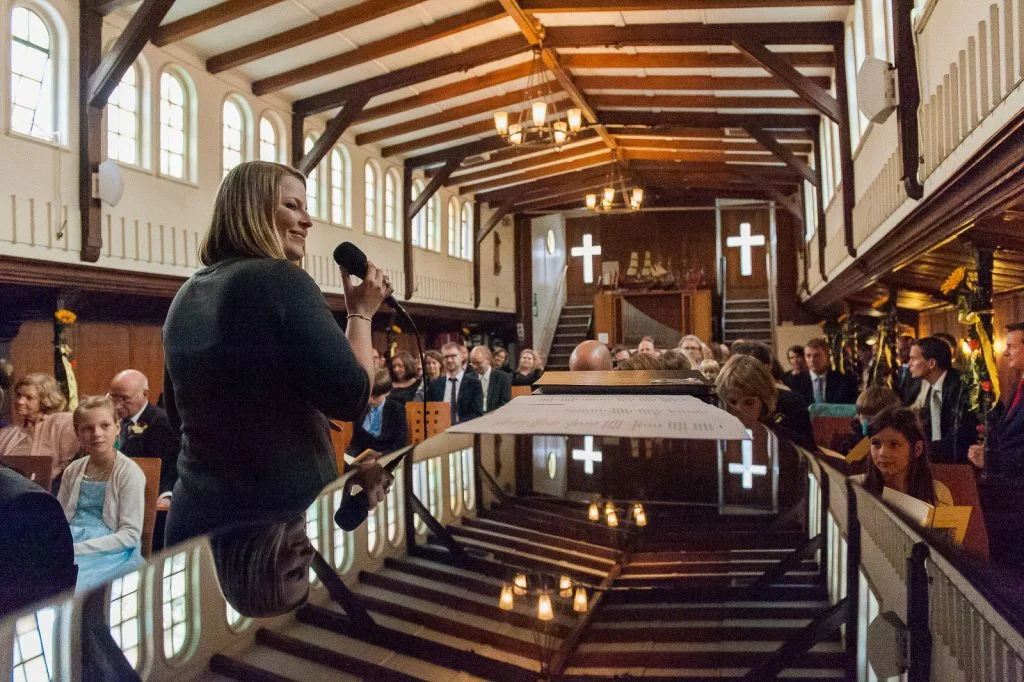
[(145, 430), (457, 387)]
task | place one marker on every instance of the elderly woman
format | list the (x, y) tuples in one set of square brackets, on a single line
[(255, 363), (404, 382), (103, 498), (39, 425), (529, 369)]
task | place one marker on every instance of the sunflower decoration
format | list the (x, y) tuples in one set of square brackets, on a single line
[(981, 378), (63, 357)]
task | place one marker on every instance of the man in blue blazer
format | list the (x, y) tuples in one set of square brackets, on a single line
[(383, 428), (456, 386), (496, 386), (820, 383), (1003, 451)]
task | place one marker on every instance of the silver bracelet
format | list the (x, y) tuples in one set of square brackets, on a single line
[(360, 316)]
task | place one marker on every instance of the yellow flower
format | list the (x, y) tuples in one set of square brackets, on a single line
[(65, 316), (954, 280)]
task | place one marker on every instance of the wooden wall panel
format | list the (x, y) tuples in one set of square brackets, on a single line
[(146, 354), (101, 351), (32, 349)]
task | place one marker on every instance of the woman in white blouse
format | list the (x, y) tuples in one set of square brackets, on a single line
[(103, 496)]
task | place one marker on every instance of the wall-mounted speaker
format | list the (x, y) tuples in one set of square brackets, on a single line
[(876, 89)]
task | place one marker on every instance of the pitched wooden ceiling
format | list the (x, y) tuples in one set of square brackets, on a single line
[(688, 98)]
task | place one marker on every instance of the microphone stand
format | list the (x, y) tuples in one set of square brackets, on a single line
[(401, 312)]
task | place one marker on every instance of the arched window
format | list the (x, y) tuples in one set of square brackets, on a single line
[(124, 612), (34, 650), (339, 539), (268, 140), (453, 227), (177, 604), (371, 186), (453, 482), (419, 223), (313, 530), (312, 181), (173, 126), (433, 210), (466, 228), (340, 191), (33, 75), (391, 229), (468, 479), (233, 131), (393, 503), (373, 531), (123, 118)]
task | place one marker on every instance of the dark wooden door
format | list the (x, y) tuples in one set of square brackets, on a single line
[(745, 240), (578, 291)]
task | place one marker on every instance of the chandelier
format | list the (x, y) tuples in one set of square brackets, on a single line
[(530, 126), (612, 510), (632, 197)]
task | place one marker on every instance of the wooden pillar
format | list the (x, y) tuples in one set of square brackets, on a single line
[(985, 257), (845, 146), (407, 216), (524, 276), (909, 95), (298, 138), (90, 130), (476, 256), (822, 228)]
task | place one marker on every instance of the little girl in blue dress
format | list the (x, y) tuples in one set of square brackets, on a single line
[(103, 497)]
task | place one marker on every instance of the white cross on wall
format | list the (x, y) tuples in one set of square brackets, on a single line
[(744, 242), (747, 468), (588, 251), (588, 454)]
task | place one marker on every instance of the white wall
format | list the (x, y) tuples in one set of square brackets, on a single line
[(548, 277), (157, 226)]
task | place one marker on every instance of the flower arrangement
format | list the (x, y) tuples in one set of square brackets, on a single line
[(840, 332), (981, 379), (63, 357), (883, 373)]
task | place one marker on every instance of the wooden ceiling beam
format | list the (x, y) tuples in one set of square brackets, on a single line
[(405, 40), (468, 130), (693, 34), (544, 187), (761, 172), (211, 17), (715, 144), (647, 154), (509, 152), (446, 92), (492, 222), (702, 119), (474, 148), (324, 26), (543, 172), (702, 83), (416, 73), (332, 133), (449, 115), (783, 153), (563, 195), (811, 92), (686, 60), (790, 136), (552, 6), (698, 102), (527, 163), (435, 184), (104, 80)]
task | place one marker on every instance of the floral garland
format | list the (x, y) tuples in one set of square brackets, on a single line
[(981, 378), (840, 332), (883, 373), (63, 357)]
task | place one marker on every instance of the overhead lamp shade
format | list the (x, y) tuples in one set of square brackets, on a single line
[(559, 132), (638, 195), (515, 133), (575, 119), (639, 515), (539, 110), (609, 194), (565, 586), (579, 602), (613, 519), (594, 513), (520, 584), (505, 601), (501, 122), (544, 610)]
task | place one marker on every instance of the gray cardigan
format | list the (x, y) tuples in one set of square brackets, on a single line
[(124, 503)]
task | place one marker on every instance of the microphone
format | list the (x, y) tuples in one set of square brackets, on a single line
[(352, 258)]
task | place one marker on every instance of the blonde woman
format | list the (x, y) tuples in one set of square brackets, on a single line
[(529, 369), (256, 363), (40, 426)]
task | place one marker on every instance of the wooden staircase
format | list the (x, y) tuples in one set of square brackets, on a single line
[(749, 319), (573, 323)]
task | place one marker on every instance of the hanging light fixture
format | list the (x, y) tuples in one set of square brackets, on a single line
[(544, 610), (594, 513), (505, 601), (579, 602), (520, 584), (529, 126), (633, 197), (565, 586)]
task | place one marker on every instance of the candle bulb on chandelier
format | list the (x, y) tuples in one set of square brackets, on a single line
[(565, 586), (544, 610), (501, 122), (539, 110), (594, 513), (520, 585), (579, 602), (505, 601)]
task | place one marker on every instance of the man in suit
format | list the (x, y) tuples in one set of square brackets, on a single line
[(905, 385), (948, 423), (145, 430), (457, 387), (383, 427), (37, 555), (1003, 451), (820, 383), (496, 387)]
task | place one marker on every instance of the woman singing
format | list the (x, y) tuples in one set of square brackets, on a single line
[(255, 362)]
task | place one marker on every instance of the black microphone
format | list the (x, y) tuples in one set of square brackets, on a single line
[(352, 258)]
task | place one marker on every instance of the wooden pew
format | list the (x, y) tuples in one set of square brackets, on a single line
[(959, 478), (340, 439), (438, 418), (521, 390), (151, 468), (39, 470)]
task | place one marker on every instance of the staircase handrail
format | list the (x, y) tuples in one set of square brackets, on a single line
[(723, 287), (773, 302), (548, 330)]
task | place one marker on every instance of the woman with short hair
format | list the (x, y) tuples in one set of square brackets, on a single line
[(40, 426)]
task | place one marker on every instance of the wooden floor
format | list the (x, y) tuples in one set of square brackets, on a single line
[(689, 615)]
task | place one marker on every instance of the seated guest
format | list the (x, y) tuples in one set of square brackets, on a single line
[(457, 387), (710, 369), (904, 383), (40, 426), (821, 383), (795, 355), (640, 361), (378, 360), (529, 369), (435, 365), (675, 359), (870, 402), (790, 407), (38, 558), (619, 353), (691, 347), (495, 386), (646, 346), (103, 496), (706, 352), (384, 427), (1003, 450), (145, 430), (5, 394), (501, 360), (404, 383), (899, 458), (590, 355), (949, 424)]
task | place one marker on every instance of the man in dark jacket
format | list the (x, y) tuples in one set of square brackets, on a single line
[(948, 422), (457, 387), (1003, 451), (145, 430), (821, 383), (496, 387)]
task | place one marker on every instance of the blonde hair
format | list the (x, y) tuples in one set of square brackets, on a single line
[(51, 399), (746, 375), (92, 402), (243, 214)]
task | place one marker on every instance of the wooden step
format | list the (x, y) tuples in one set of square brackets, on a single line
[(350, 665)]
